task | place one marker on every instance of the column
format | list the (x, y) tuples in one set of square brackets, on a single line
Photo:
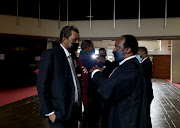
[(175, 61)]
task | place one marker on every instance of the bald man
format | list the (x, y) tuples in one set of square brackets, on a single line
[(124, 92)]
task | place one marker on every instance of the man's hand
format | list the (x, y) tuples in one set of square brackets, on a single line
[(52, 117), (96, 67), (85, 70)]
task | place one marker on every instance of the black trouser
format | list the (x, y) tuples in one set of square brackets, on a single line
[(90, 117), (149, 125), (72, 123)]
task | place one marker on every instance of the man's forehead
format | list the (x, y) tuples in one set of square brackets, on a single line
[(140, 50), (75, 33), (120, 41), (102, 51)]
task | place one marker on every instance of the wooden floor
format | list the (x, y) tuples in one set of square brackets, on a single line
[(165, 109)]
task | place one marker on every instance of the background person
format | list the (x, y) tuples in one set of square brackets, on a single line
[(102, 56), (90, 97), (147, 67)]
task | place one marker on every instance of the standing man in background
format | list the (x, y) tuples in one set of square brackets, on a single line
[(102, 56), (57, 84), (90, 97), (147, 67)]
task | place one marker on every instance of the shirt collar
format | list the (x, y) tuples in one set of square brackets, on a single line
[(122, 62), (144, 59), (65, 50)]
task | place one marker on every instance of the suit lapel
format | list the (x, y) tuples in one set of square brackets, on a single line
[(62, 52), (67, 67)]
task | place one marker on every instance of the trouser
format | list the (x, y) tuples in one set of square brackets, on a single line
[(90, 118), (72, 123), (149, 124)]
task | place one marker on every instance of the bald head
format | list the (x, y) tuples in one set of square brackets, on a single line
[(87, 45), (119, 44), (128, 44)]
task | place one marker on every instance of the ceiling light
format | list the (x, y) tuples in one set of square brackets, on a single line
[(106, 40), (89, 16)]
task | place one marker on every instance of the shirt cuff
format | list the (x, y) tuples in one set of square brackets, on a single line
[(96, 70), (49, 114)]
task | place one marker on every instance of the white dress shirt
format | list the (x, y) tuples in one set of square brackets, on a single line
[(144, 59)]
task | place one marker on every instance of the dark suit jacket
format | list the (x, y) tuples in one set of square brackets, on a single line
[(55, 84), (147, 67), (110, 66), (124, 95)]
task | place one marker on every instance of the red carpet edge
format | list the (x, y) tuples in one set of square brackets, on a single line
[(176, 84), (12, 95)]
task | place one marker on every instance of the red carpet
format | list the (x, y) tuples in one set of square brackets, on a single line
[(11, 95), (176, 84)]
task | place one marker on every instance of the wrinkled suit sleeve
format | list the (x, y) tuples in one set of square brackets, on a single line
[(44, 80), (116, 87)]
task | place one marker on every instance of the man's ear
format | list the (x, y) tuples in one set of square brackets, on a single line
[(63, 39), (128, 50)]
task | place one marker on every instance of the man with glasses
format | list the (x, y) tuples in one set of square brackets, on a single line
[(57, 84)]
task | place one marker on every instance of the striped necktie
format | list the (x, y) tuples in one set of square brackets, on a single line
[(75, 77)]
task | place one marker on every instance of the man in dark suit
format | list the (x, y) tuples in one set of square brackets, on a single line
[(124, 92), (147, 67), (57, 84)]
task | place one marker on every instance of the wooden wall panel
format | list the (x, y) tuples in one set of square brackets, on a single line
[(161, 66)]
